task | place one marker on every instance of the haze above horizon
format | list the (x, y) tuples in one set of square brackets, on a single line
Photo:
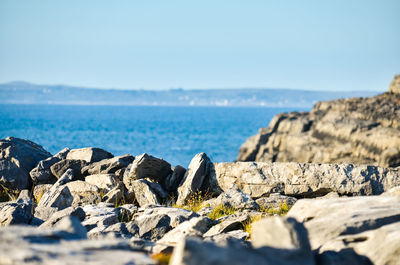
[(313, 45)]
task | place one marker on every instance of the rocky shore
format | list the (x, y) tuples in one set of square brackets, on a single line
[(354, 130), (85, 206)]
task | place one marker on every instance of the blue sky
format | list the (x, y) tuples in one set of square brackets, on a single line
[(318, 45)]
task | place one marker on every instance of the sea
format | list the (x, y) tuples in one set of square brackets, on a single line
[(175, 134)]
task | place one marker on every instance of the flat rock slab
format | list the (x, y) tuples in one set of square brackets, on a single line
[(21, 244), (260, 179), (88, 154), (327, 219)]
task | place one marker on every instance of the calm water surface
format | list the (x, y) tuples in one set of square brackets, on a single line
[(173, 133)]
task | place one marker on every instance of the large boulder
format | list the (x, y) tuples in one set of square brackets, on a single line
[(103, 181), (108, 166), (355, 130), (83, 192), (147, 192), (147, 166), (59, 168), (173, 180), (328, 219), (17, 158), (89, 154), (42, 174), (198, 171), (259, 179)]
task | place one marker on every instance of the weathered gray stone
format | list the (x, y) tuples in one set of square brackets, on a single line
[(327, 219), (88, 154), (71, 224), (58, 197), (147, 192), (115, 195), (227, 239), (103, 181), (276, 201), (17, 158), (59, 168), (154, 223), (378, 246), (40, 190), (16, 212), (199, 169), (173, 180), (41, 174), (305, 180), (99, 215), (194, 227), (23, 244), (194, 251), (77, 212), (83, 192), (147, 166), (231, 223), (108, 166), (283, 234), (235, 199)]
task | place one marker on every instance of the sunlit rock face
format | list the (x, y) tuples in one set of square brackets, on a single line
[(354, 130)]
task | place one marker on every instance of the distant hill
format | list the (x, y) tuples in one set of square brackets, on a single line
[(27, 93)]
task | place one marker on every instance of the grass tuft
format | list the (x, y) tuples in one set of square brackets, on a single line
[(161, 258), (282, 210), (195, 202), (220, 211)]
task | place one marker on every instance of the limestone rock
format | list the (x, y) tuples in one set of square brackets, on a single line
[(229, 238), (196, 226), (41, 174), (147, 166), (147, 192), (236, 199), (327, 219), (99, 215), (16, 212), (285, 234), (103, 181), (57, 216), (108, 166), (395, 85), (83, 192), (40, 190), (259, 179), (114, 196), (229, 224), (17, 158), (355, 130), (199, 169), (89, 154), (378, 246), (59, 168), (173, 180), (154, 223), (276, 200), (53, 246), (72, 225)]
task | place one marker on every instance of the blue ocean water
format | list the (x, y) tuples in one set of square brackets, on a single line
[(175, 134)]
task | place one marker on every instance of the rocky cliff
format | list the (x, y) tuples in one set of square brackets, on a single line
[(354, 130)]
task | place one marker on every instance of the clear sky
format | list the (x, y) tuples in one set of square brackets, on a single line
[(319, 45)]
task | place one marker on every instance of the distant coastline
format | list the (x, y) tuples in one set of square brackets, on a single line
[(28, 93)]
